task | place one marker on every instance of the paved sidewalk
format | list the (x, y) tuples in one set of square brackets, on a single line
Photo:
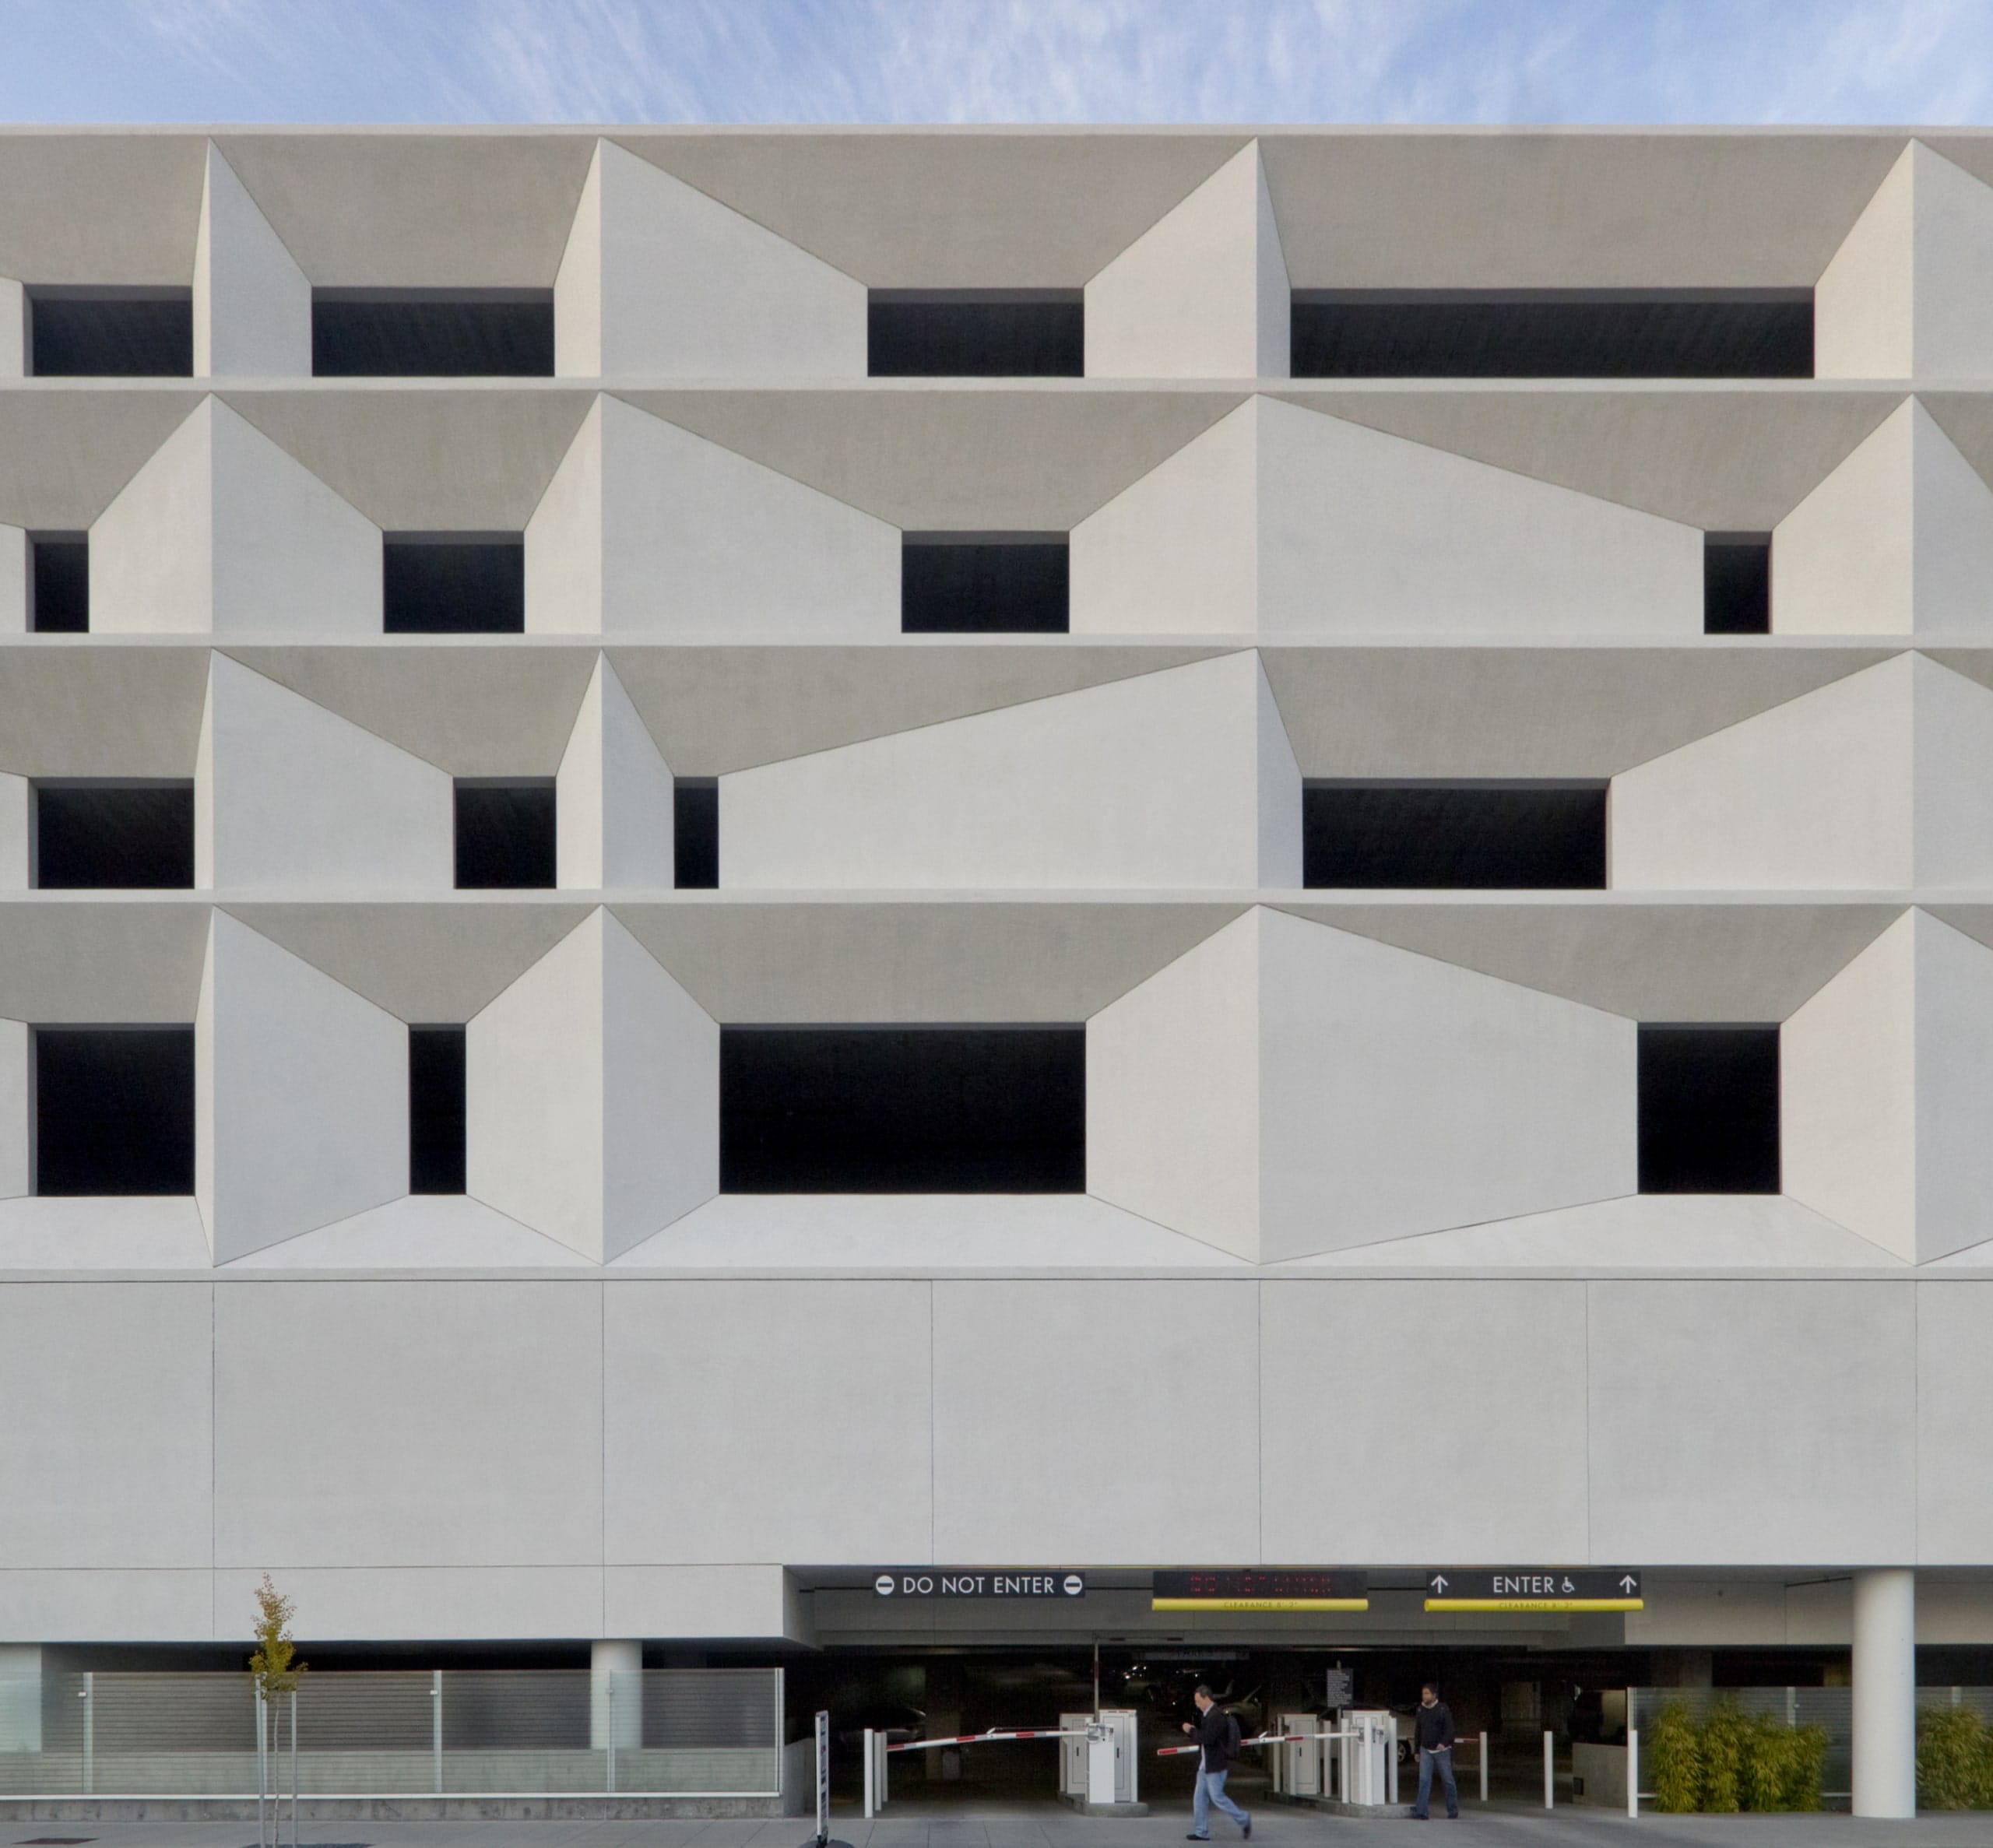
[(1497, 1827)]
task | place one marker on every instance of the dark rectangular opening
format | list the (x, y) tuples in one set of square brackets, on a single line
[(435, 1109), (1737, 584), (976, 333), (432, 333), (453, 584), (113, 1110), (1709, 1109), (1552, 333), (903, 1109), (59, 583), (695, 832), (984, 584), (1541, 835), (110, 834), (111, 333), (504, 833)]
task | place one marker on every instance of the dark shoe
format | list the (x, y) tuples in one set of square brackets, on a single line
[(1245, 1828), (1196, 1838)]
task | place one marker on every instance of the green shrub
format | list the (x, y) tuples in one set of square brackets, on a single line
[(1954, 1759), (1725, 1735), (1733, 1760), (1676, 1753)]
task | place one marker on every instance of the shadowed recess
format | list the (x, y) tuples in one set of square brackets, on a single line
[(1709, 1109), (1545, 836), (1552, 334), (902, 1110), (418, 333), (976, 333), (113, 1110)]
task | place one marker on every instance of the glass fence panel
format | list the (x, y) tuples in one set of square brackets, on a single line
[(703, 1732)]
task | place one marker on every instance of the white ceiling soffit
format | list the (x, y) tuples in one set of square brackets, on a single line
[(429, 963), (714, 710), (989, 961), (105, 208), (1726, 457), (124, 961), (1580, 711), (83, 709), (436, 459), (1579, 208), (379, 208), (1008, 454), (473, 710), (1019, 208), (1712, 961)]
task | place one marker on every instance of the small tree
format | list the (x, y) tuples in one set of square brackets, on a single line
[(274, 1664)]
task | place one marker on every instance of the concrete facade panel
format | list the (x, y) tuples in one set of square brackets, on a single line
[(614, 795), (15, 593), (448, 1604), (493, 1460), (290, 799), (1202, 293), (118, 1452), (1815, 794), (63, 1604), (1752, 1423), (16, 1110), (700, 1601), (252, 304), (1154, 781), (660, 280), (1954, 1374), (1483, 1457), (1043, 1449), (1401, 1094), (828, 1390)]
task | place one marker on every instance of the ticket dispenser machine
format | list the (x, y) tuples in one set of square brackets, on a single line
[(1297, 1765), (1099, 1769), (1369, 1758)]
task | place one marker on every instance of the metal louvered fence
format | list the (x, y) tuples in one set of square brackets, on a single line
[(697, 1732)]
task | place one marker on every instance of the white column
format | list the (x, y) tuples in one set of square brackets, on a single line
[(20, 1697), (1884, 1679), (616, 1718)]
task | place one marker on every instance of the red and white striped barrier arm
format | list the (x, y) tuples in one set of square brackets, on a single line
[(1177, 1751), (994, 1733)]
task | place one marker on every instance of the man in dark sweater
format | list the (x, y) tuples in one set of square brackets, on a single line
[(1434, 1725), (1217, 1733)]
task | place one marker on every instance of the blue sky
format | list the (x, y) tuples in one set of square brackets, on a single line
[(1902, 61)]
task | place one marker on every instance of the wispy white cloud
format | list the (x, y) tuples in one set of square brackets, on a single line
[(1050, 60)]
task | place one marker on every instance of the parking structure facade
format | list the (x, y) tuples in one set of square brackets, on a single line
[(734, 860)]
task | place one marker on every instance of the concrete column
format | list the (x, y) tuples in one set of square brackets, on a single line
[(1885, 1692), (617, 1721)]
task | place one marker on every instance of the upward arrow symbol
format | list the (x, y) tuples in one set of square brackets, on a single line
[(1439, 1584), (1629, 1584)]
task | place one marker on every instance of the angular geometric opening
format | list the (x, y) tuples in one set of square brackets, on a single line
[(1544, 836), (59, 583), (108, 834), (976, 333), (432, 333), (1552, 333), (903, 1109), (435, 1109), (1709, 1109), (453, 584), (1737, 584), (695, 833), (113, 1110), (504, 833), (984, 583), (111, 333)]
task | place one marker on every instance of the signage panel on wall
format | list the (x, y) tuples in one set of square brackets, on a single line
[(1255, 1588), (1532, 1588), (983, 1582)]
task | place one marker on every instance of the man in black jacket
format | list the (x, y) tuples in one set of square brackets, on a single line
[(1434, 1725), (1217, 1733)]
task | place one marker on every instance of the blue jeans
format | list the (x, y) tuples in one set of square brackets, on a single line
[(1210, 1790), (1445, 1761)]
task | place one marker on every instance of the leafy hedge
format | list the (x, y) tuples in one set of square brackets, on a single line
[(1954, 1759), (1733, 1760)]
